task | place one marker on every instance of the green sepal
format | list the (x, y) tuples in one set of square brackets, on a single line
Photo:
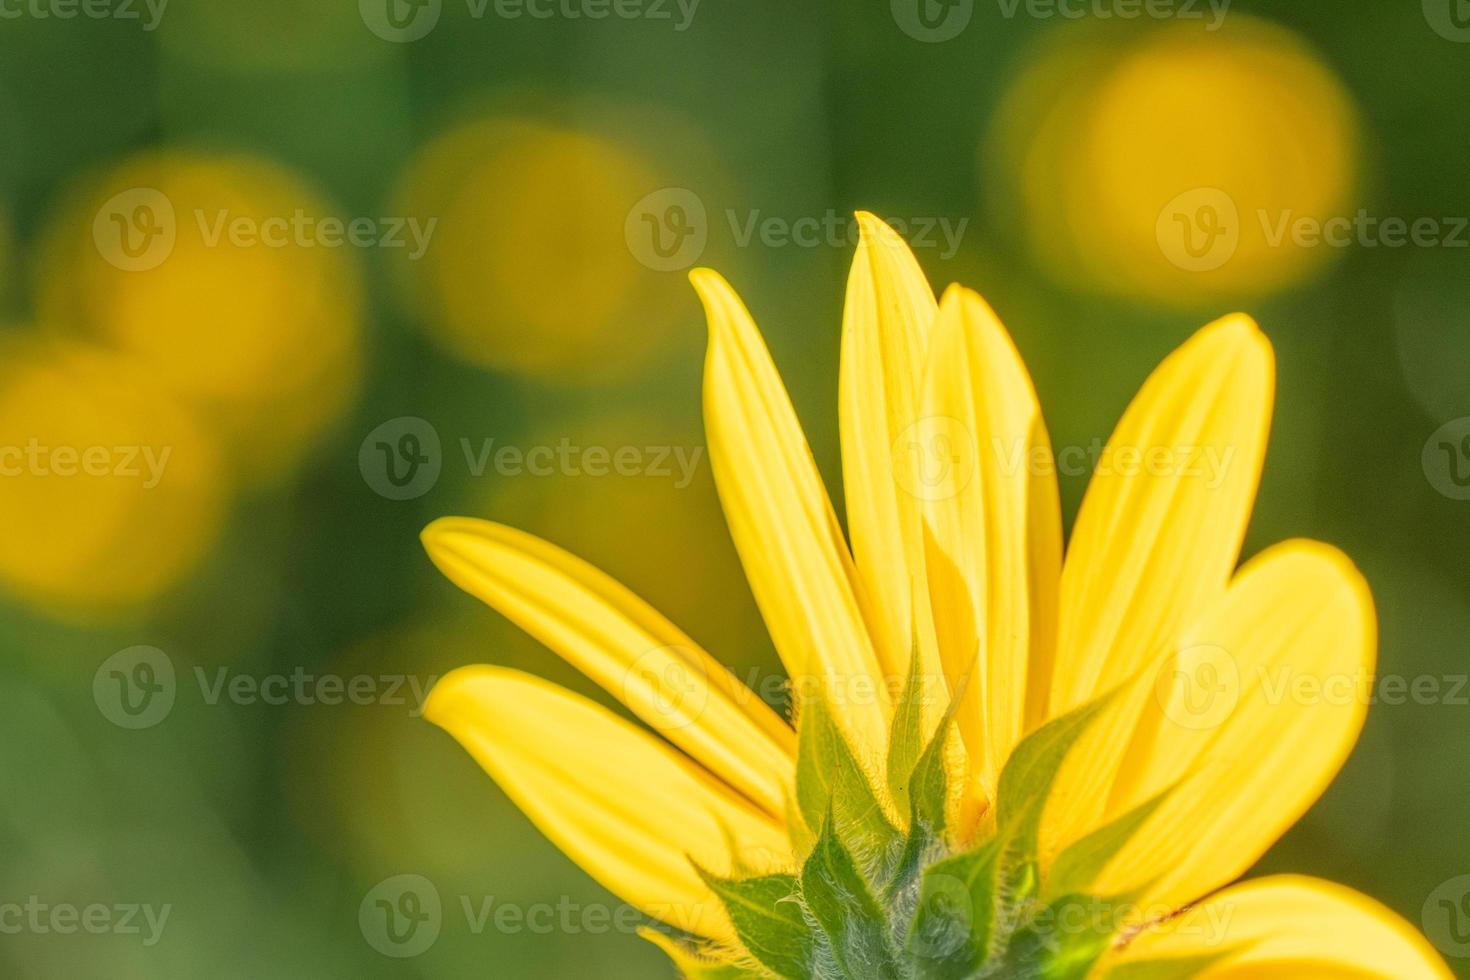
[(969, 904), (854, 924), (1062, 939), (927, 789), (906, 734), (1078, 867), (832, 786), (768, 920), (1031, 772), (952, 928)]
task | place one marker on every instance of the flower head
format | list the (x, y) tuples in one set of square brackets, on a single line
[(1006, 761)]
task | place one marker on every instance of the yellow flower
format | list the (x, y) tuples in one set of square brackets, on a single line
[(1202, 735)]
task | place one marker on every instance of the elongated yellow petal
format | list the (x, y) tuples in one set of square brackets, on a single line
[(625, 806), (783, 524), (624, 645), (995, 542), (885, 338), (1161, 525), (1286, 928), (1251, 720)]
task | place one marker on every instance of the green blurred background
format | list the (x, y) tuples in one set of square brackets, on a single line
[(563, 165)]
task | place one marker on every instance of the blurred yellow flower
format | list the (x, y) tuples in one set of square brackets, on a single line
[(1170, 164), (216, 272), (111, 489), (529, 271)]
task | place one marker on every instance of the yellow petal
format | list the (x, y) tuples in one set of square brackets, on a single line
[(625, 806), (1287, 928), (995, 529), (1249, 722), (620, 642), (1160, 528), (885, 337), (783, 524)]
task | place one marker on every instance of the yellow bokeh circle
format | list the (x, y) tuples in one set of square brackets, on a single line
[(1172, 164), (216, 273), (529, 271), (110, 487)]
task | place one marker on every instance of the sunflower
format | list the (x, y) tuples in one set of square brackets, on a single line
[(1004, 762)]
